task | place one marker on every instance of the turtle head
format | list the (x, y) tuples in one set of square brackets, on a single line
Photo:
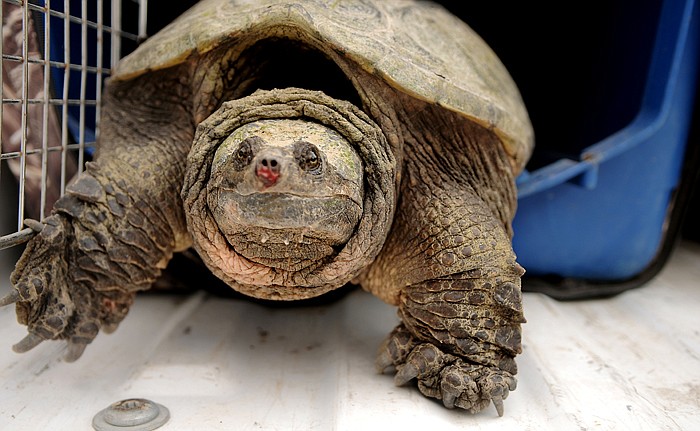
[(286, 193)]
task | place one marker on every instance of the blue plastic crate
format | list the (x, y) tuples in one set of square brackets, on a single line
[(603, 216)]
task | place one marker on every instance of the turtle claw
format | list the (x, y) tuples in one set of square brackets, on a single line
[(27, 343), (75, 351), (11, 298), (34, 225), (109, 328), (383, 361), (394, 349), (498, 403), (406, 373), (448, 399)]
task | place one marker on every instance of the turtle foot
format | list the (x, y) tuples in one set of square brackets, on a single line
[(47, 299), (444, 376)]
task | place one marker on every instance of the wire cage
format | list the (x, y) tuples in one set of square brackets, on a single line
[(55, 57)]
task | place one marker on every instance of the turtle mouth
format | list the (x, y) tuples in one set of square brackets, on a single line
[(284, 231), (329, 218)]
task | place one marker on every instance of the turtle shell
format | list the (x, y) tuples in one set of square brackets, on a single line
[(416, 47)]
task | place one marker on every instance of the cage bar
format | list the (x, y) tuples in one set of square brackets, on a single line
[(23, 124), (46, 107), (72, 45)]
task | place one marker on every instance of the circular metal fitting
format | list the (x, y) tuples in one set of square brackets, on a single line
[(133, 414)]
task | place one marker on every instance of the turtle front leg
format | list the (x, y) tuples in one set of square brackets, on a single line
[(116, 227), (458, 292), (74, 278), (104, 242)]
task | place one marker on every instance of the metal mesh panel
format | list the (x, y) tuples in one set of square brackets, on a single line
[(55, 56)]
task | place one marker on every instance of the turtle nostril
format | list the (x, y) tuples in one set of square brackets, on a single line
[(270, 164), (268, 171)]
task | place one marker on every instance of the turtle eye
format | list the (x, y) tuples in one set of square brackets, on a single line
[(308, 157), (244, 154)]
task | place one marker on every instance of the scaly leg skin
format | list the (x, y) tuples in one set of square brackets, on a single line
[(80, 273), (51, 302), (459, 336), (476, 331), (449, 266), (441, 375), (116, 227), (460, 331)]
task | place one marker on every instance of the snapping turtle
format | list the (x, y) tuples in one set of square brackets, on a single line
[(299, 146)]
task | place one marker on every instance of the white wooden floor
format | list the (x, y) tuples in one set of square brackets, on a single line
[(630, 362)]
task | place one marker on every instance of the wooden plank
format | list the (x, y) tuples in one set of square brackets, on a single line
[(629, 362)]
